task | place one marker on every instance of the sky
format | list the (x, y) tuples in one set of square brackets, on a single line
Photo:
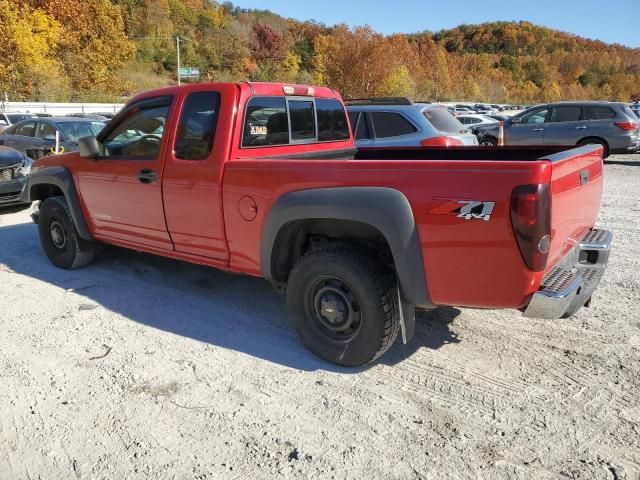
[(613, 21)]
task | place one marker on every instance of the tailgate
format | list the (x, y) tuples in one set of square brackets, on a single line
[(576, 191)]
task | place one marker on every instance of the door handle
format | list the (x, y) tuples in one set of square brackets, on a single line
[(538, 129), (581, 128), (147, 175)]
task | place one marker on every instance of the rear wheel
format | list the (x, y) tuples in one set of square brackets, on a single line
[(59, 238), (344, 305), (488, 141), (595, 141)]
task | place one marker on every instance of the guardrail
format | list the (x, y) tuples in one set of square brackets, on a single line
[(59, 108)]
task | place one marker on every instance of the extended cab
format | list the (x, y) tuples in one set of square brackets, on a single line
[(264, 179)]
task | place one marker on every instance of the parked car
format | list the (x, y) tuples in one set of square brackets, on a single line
[(610, 124), (355, 239), (8, 119), (15, 167), (635, 108), (41, 133), (477, 119), (91, 116), (402, 123)]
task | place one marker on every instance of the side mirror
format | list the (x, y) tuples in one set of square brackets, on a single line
[(89, 147), (514, 120), (50, 138)]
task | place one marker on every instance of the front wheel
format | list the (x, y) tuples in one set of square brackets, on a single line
[(488, 142), (344, 305), (59, 238)]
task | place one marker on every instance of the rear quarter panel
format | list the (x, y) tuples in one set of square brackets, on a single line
[(467, 262)]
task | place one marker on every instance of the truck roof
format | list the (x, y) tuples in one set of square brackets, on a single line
[(252, 88)]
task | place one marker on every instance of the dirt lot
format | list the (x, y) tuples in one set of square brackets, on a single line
[(140, 367)]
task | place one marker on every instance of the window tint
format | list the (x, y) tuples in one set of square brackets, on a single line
[(567, 114), (443, 121), (600, 113), (17, 117), (266, 122), (27, 129), (45, 130), (302, 120), (197, 126), (332, 122), (536, 116), (388, 124), (139, 130)]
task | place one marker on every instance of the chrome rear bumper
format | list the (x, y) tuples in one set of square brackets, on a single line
[(570, 284)]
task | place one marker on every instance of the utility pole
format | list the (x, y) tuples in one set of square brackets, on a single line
[(178, 50)]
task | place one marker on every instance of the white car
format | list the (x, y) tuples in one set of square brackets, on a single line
[(474, 120), (7, 119)]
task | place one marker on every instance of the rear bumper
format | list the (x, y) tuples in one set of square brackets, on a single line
[(570, 284)]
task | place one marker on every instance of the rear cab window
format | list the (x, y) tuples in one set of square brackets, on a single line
[(197, 127), (274, 121)]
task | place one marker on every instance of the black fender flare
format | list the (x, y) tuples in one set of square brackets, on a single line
[(60, 177), (385, 209)]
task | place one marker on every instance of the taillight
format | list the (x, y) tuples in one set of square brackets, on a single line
[(531, 220), (626, 126), (441, 142)]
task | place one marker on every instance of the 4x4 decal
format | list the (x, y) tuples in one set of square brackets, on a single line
[(467, 209)]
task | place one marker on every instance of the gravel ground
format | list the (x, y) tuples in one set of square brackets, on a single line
[(139, 367)]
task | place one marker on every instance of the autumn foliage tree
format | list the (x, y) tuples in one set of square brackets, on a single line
[(103, 49)]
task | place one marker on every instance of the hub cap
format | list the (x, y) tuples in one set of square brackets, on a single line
[(58, 235), (334, 307)]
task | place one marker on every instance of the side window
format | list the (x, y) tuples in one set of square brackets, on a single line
[(45, 130), (266, 122), (332, 121), (302, 120), (600, 113), (197, 127), (139, 131), (567, 114), (537, 116), (27, 129), (389, 124), (11, 130)]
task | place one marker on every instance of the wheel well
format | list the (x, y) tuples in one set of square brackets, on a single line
[(44, 190), (585, 141), (297, 237)]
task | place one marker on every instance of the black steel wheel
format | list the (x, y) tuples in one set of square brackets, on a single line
[(343, 304), (58, 236)]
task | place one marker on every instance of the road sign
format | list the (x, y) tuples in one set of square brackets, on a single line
[(189, 72)]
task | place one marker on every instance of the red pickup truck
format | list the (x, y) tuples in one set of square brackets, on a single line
[(264, 179)]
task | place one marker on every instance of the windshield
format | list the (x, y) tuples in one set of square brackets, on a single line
[(76, 130), (17, 117)]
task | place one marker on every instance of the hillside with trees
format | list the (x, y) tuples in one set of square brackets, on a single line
[(103, 50)]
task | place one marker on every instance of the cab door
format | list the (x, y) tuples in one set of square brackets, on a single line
[(528, 129), (568, 125), (122, 189), (192, 182)]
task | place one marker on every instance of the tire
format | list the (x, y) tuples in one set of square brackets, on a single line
[(488, 142), (59, 238), (344, 305), (595, 141)]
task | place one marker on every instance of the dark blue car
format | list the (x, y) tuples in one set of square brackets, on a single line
[(40, 133)]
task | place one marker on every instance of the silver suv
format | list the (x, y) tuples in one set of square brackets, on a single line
[(610, 124), (398, 122)]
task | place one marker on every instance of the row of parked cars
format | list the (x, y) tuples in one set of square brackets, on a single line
[(399, 122)]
